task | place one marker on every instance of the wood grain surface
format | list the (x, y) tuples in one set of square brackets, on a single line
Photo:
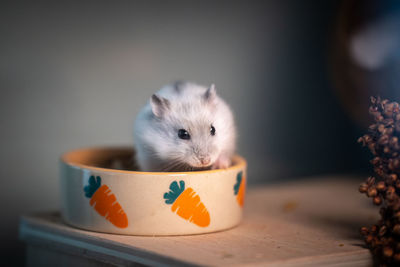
[(312, 222)]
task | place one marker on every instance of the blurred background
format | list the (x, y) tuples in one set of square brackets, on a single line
[(298, 75)]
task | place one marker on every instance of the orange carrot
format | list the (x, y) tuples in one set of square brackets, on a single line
[(240, 188), (105, 202), (187, 204)]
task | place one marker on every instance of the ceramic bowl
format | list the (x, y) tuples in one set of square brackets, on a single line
[(107, 200)]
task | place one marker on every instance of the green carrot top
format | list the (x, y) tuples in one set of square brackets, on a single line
[(175, 191), (91, 188), (238, 182)]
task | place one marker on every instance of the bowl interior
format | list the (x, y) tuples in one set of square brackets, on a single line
[(117, 158), (103, 157)]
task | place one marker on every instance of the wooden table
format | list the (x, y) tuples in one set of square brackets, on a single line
[(313, 222)]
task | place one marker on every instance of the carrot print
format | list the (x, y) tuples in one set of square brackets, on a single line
[(187, 204), (239, 188), (105, 202)]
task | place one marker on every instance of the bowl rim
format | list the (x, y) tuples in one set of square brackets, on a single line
[(240, 163)]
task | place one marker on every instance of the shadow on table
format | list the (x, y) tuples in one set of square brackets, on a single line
[(345, 227)]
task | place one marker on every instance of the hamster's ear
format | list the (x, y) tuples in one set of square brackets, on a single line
[(210, 94), (159, 105), (179, 85)]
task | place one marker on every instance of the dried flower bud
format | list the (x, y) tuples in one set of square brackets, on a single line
[(388, 112), (372, 148), (388, 122), (361, 140), (396, 163), (394, 140), (379, 171), (393, 177), (386, 150), (372, 191), (389, 131), (396, 203), (363, 188), (390, 165), (396, 147), (380, 186), (377, 200), (382, 230), (373, 127), (383, 140), (368, 239), (370, 180), (375, 161), (364, 230), (387, 252), (367, 138), (390, 190), (396, 229), (390, 198)]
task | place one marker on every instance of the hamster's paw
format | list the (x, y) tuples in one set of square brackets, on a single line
[(222, 162)]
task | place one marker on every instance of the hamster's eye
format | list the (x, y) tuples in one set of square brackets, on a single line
[(212, 130), (183, 134)]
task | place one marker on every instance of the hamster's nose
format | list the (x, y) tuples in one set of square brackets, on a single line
[(205, 160)]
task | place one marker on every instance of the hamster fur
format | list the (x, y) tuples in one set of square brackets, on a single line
[(195, 109)]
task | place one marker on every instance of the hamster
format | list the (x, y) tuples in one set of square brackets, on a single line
[(184, 127)]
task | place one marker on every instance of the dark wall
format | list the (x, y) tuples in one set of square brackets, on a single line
[(76, 73)]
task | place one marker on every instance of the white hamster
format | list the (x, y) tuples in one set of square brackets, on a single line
[(184, 127)]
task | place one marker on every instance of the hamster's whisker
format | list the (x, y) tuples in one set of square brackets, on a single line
[(178, 165), (172, 165)]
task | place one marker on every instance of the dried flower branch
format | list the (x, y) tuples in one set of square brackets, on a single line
[(382, 139)]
